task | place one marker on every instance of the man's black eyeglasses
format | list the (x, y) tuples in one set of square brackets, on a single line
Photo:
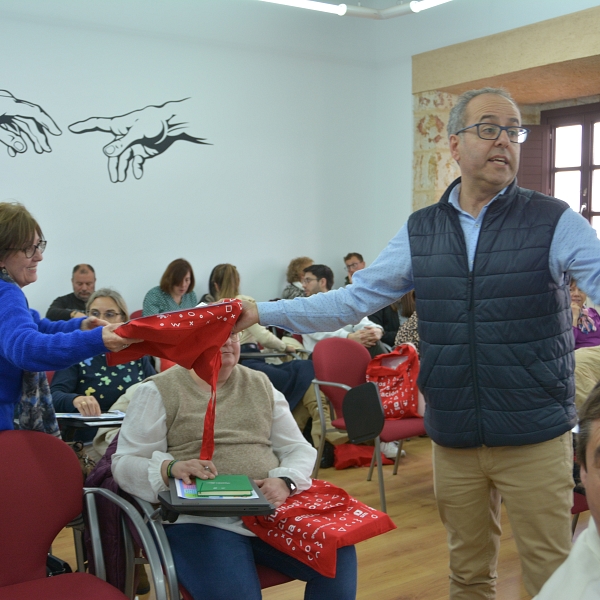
[(489, 131)]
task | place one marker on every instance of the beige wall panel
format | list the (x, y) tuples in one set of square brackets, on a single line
[(569, 38)]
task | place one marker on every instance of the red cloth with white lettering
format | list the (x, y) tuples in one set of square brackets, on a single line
[(312, 525), (395, 374), (191, 338)]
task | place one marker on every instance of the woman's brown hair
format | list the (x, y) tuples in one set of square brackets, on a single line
[(294, 270), (17, 228), (408, 304), (224, 282), (175, 274)]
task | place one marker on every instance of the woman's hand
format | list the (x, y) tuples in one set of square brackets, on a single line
[(274, 490), (87, 406), (92, 323), (290, 350), (186, 469), (115, 342), (576, 310)]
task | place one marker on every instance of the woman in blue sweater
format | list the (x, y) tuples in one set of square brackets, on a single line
[(28, 344)]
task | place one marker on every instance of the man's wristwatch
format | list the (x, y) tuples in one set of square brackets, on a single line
[(290, 484)]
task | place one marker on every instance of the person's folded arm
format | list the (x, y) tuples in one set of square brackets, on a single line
[(142, 446), (63, 386), (296, 456)]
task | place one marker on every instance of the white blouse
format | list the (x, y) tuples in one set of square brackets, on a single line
[(142, 448)]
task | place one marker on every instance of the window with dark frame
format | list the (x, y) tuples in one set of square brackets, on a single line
[(562, 158)]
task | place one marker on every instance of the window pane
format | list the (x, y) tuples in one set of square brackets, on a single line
[(567, 187), (568, 146), (597, 143), (595, 195)]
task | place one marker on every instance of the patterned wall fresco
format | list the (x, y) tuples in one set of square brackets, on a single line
[(433, 167)]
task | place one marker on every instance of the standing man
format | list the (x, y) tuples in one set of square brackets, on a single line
[(73, 305), (489, 264), (354, 262)]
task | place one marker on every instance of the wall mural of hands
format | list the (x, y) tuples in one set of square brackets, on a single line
[(141, 135), (24, 124)]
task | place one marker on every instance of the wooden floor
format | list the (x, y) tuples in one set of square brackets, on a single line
[(410, 563)]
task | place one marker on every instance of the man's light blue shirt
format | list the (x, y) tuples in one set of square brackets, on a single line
[(575, 250)]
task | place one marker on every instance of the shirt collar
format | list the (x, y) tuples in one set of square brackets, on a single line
[(455, 193)]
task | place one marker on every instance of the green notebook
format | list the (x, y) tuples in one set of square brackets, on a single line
[(225, 485)]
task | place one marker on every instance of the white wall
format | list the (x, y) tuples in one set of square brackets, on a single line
[(310, 117)]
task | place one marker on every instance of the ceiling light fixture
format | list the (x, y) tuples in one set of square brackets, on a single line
[(360, 11)]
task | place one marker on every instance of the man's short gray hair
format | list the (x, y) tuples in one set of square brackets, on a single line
[(456, 121)]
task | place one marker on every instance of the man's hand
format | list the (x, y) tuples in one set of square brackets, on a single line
[(188, 469), (87, 406), (368, 336), (274, 490), (115, 342), (140, 135), (248, 317), (21, 121), (576, 310)]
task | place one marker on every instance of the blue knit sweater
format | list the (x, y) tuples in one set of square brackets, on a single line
[(29, 343)]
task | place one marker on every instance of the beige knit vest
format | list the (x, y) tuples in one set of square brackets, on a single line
[(244, 415)]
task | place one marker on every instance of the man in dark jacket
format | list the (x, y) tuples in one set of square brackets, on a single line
[(490, 265), (73, 305)]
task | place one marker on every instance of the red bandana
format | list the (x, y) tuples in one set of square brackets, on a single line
[(191, 338)]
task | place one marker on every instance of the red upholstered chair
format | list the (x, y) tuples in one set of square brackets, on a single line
[(165, 364), (49, 376), (42, 491), (340, 364), (580, 505), (136, 314)]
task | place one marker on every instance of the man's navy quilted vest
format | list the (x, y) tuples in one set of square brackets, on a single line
[(496, 343)]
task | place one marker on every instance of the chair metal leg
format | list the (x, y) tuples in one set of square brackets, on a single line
[(370, 475), (377, 453), (129, 560), (398, 455), (323, 431)]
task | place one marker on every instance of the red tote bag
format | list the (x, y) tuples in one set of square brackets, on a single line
[(312, 525), (396, 377)]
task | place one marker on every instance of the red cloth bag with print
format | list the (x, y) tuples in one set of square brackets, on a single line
[(312, 525), (191, 338), (396, 377)]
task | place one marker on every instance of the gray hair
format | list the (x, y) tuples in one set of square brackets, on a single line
[(456, 121), (113, 295)]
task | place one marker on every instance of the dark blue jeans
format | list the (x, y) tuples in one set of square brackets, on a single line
[(216, 564)]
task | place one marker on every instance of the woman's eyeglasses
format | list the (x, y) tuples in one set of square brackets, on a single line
[(109, 314), (30, 250)]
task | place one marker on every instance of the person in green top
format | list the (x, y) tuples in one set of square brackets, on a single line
[(176, 290)]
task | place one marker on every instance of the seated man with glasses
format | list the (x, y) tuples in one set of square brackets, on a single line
[(91, 387), (72, 305), (318, 279), (354, 262)]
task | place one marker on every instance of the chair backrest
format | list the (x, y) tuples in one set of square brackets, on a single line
[(42, 491), (136, 314), (340, 360), (363, 413)]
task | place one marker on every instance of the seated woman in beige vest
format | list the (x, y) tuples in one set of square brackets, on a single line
[(255, 435)]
